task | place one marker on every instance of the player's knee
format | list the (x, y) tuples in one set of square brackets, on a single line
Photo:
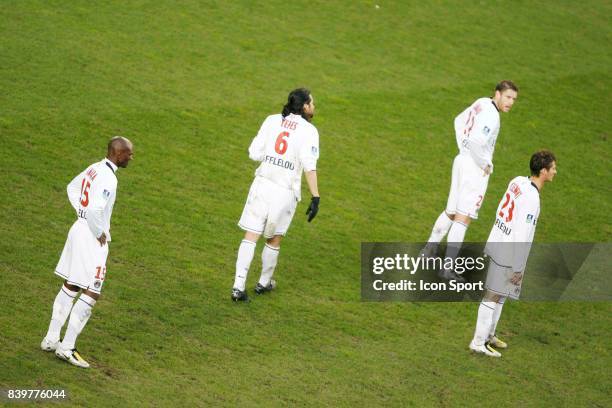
[(492, 297), (73, 288), (251, 236), (275, 241), (92, 295), (464, 219)]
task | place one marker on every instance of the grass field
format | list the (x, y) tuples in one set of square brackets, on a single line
[(189, 83)]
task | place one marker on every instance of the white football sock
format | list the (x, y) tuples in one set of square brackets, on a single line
[(243, 262), (483, 323), (440, 228), (269, 257), (498, 309), (78, 318), (61, 309), (455, 239)]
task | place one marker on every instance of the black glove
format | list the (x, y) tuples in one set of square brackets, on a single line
[(313, 208)]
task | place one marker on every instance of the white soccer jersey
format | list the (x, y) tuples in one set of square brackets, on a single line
[(476, 129), (285, 147), (92, 194), (517, 215)]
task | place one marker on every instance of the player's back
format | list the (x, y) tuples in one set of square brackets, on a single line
[(280, 146), (515, 222), (94, 187), (480, 119)]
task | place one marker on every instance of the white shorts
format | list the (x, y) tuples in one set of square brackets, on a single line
[(498, 281), (269, 209), (468, 187), (83, 260)]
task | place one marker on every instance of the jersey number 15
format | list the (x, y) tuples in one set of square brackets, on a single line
[(85, 192)]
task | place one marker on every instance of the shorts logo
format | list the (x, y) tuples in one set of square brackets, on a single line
[(106, 193), (531, 219), (315, 151), (97, 284), (486, 130)]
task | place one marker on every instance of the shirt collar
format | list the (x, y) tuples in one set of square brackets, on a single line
[(110, 165), (493, 102)]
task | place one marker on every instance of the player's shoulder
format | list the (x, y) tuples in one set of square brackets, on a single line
[(527, 189), (308, 127), (273, 119), (487, 106), (107, 171)]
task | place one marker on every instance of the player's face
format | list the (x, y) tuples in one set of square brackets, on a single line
[(505, 99), (549, 174), (125, 156), (309, 108)]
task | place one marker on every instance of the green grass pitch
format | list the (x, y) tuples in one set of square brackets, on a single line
[(190, 82)]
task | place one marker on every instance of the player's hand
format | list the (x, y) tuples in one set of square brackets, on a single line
[(313, 208), (102, 239), (516, 278)]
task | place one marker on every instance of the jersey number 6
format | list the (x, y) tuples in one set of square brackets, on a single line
[(281, 144)]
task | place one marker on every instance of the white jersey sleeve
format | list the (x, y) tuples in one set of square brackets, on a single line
[(309, 151), (512, 234), (257, 149), (101, 193), (476, 130), (74, 191)]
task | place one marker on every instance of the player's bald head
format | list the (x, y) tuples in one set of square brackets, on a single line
[(120, 151), (117, 144)]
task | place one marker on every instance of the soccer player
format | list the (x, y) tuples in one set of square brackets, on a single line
[(476, 130), (508, 247), (82, 264), (287, 144)]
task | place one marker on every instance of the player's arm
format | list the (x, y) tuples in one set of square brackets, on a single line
[(99, 196), (258, 145), (74, 191), (525, 214), (478, 142), (309, 154)]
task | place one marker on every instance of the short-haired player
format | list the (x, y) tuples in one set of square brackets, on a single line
[(82, 264), (476, 131), (508, 247)]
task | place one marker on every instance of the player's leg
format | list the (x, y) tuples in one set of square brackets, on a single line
[(252, 221), (456, 235), (440, 228), (62, 306), (79, 317), (486, 312), (88, 271), (493, 339), (282, 208), (269, 258), (472, 187), (246, 251), (444, 221)]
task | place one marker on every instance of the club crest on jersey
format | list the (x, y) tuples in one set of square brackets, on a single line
[(106, 193), (531, 219)]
